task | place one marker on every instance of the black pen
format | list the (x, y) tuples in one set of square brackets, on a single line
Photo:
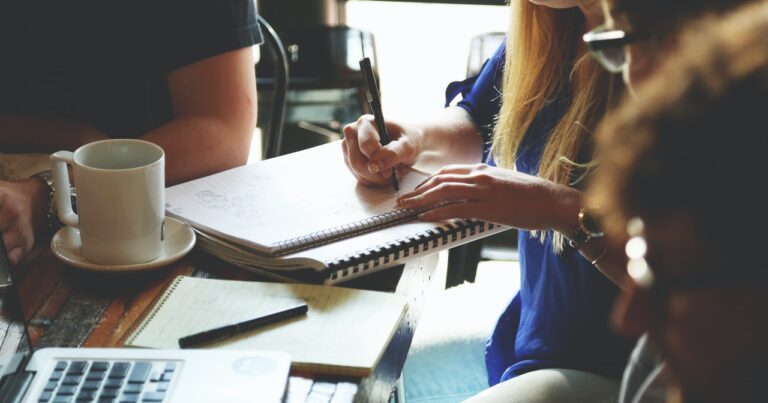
[(374, 100), (227, 331)]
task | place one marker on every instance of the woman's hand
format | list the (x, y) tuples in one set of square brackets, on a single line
[(496, 195), (21, 211), (369, 161)]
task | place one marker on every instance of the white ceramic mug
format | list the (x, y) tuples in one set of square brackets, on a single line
[(120, 187)]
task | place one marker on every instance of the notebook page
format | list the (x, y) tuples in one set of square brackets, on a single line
[(344, 332), (282, 198)]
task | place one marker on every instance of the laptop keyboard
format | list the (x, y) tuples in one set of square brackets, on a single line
[(108, 381)]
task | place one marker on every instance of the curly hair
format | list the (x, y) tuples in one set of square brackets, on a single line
[(695, 139), (662, 18)]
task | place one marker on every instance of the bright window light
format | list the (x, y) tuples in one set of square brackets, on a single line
[(421, 47)]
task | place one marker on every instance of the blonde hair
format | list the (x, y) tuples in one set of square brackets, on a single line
[(544, 61)]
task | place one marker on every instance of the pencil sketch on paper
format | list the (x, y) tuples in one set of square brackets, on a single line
[(234, 203)]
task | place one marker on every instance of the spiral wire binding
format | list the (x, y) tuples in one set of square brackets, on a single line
[(358, 263), (149, 313), (329, 235)]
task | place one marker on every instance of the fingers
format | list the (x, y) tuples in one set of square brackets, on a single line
[(345, 152), (356, 160), (368, 136), (398, 152), (360, 179), (465, 210), (370, 162), (15, 255), (16, 245), (436, 180), (9, 215), (362, 136), (442, 193), (455, 170), (17, 231)]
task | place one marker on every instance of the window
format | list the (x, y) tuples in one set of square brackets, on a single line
[(421, 47)]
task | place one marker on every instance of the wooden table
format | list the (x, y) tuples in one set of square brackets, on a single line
[(67, 307)]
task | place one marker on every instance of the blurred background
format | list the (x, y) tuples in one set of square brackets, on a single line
[(416, 48)]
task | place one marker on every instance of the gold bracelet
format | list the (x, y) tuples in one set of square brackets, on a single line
[(605, 249)]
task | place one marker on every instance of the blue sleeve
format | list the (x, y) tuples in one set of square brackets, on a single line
[(481, 95)]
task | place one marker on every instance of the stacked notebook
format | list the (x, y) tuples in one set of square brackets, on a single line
[(306, 212)]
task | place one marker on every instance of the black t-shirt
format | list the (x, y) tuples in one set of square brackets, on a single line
[(104, 62)]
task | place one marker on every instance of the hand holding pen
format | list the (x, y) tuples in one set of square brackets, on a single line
[(372, 94)]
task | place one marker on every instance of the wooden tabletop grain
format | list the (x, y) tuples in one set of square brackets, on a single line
[(68, 307)]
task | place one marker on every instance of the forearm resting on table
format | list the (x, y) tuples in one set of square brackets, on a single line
[(214, 109), (450, 137), (26, 134), (195, 146)]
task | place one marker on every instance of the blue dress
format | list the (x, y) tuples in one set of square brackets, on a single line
[(560, 317)]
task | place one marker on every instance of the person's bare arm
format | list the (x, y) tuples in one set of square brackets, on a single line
[(512, 198), (452, 138), (214, 105), (27, 134)]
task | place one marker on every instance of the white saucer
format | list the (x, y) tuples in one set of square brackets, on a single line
[(179, 239)]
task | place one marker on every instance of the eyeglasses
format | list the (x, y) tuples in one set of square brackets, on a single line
[(607, 47), (646, 279)]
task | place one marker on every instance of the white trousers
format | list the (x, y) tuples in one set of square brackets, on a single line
[(552, 386)]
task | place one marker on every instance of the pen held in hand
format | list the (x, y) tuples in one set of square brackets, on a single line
[(226, 331), (374, 101)]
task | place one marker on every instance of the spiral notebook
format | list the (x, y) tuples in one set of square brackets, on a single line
[(344, 332), (305, 210)]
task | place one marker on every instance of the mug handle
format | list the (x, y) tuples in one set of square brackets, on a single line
[(59, 161)]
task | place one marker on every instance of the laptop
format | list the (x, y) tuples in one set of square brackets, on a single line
[(129, 375)]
